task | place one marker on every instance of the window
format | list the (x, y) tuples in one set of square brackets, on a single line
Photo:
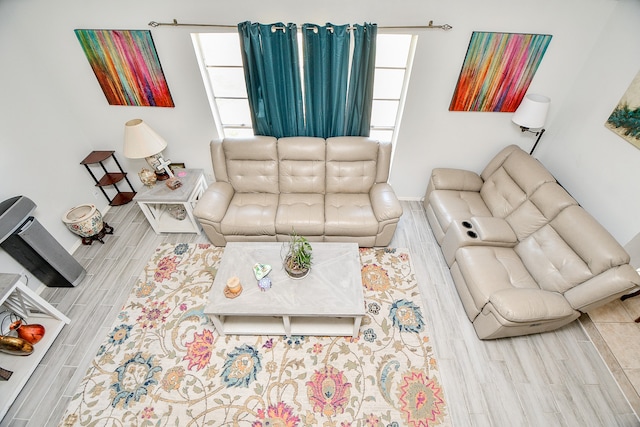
[(394, 55), (221, 67)]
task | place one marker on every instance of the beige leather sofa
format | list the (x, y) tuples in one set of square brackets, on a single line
[(326, 190), (524, 256)]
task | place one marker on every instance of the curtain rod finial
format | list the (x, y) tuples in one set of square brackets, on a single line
[(445, 27), (153, 24)]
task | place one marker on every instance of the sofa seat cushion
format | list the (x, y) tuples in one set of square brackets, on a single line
[(302, 213), (349, 215), (552, 262), (530, 305), (489, 269), (252, 214), (451, 205)]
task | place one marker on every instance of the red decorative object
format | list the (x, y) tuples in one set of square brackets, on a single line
[(30, 333)]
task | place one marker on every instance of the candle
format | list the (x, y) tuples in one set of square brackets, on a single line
[(233, 283)]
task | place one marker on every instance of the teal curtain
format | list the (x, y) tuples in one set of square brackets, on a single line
[(272, 76), (360, 92), (326, 63), (337, 98)]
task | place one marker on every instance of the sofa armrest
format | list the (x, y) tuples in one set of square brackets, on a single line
[(213, 204), (605, 287), (477, 231), (522, 305), (384, 202), (454, 179)]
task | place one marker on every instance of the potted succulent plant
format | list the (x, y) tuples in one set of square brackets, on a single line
[(297, 259)]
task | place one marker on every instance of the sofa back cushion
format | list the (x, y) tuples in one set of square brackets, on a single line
[(252, 164), (541, 207), (383, 164), (302, 165), (510, 179), (351, 164), (572, 248), (218, 161)]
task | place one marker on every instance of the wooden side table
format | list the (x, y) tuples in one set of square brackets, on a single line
[(171, 211)]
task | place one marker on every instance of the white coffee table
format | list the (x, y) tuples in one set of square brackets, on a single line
[(328, 302)]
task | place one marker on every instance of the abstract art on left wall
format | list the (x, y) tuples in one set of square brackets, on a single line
[(127, 67), (498, 70)]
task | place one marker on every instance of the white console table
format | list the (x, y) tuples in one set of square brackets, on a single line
[(16, 297)]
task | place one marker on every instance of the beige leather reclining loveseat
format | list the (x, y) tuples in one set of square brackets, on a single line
[(524, 256), (326, 190)]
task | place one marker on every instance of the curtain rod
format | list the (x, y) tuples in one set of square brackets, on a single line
[(175, 23)]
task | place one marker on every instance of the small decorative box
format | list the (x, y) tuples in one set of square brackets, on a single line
[(173, 183)]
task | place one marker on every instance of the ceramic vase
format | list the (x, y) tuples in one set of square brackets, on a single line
[(31, 333), (83, 220)]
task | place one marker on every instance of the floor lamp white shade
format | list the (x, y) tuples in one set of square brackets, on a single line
[(532, 112)]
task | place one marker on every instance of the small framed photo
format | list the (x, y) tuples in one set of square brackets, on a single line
[(175, 166)]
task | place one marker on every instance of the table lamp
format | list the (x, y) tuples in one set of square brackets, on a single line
[(140, 141), (531, 114)]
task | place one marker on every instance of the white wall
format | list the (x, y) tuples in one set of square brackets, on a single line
[(53, 112), (599, 168)]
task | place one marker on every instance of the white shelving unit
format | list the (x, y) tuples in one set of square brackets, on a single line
[(287, 325), (16, 297)]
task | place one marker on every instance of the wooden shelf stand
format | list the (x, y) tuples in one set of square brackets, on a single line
[(109, 178)]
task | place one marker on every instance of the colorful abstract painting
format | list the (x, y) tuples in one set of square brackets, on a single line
[(625, 119), (127, 67), (498, 70)]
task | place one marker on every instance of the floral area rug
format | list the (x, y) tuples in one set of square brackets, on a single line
[(163, 364)]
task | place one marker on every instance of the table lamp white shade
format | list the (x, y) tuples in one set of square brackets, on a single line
[(532, 112), (141, 141)]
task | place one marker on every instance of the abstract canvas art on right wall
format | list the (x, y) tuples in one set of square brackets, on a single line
[(625, 119), (497, 71)]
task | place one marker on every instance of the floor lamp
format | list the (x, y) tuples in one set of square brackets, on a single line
[(531, 115)]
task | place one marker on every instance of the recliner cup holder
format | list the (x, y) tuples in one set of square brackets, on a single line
[(466, 224), (472, 234)]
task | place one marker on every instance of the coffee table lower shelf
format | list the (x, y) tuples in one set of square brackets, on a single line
[(287, 325)]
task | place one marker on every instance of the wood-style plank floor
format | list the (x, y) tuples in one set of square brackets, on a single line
[(552, 379)]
